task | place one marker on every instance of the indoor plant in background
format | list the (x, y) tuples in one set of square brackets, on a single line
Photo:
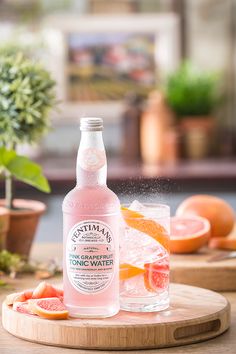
[(26, 97), (193, 95)]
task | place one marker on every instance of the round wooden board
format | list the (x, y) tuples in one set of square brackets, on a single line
[(194, 315)]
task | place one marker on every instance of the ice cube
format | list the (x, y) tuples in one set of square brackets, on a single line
[(150, 211), (137, 206), (133, 287), (138, 248)]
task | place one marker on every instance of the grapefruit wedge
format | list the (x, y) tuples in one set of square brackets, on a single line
[(50, 308), (156, 276), (188, 234), (22, 307), (128, 271), (45, 290), (223, 243), (150, 227), (19, 297)]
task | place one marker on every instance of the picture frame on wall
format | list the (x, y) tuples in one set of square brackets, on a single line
[(97, 59)]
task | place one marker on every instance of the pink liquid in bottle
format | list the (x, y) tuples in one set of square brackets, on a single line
[(91, 214)]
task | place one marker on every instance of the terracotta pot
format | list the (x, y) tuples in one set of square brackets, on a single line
[(197, 136), (4, 226), (23, 224)]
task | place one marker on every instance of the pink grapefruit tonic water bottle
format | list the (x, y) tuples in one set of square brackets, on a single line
[(91, 215)]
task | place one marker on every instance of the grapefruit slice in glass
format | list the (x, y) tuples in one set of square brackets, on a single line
[(156, 276), (128, 271), (188, 234), (150, 227)]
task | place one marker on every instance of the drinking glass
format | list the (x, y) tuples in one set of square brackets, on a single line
[(144, 257)]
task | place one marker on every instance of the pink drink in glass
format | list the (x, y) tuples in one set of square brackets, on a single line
[(144, 258), (91, 215)]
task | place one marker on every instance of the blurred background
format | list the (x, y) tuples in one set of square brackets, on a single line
[(162, 74)]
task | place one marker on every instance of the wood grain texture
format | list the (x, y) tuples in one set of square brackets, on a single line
[(195, 315), (195, 270)]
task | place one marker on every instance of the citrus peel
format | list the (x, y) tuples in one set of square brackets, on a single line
[(150, 227), (128, 271)]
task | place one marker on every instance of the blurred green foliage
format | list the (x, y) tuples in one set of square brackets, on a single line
[(190, 92), (13, 47), (10, 262), (31, 11), (26, 97)]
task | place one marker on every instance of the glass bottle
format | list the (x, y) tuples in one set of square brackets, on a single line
[(91, 215)]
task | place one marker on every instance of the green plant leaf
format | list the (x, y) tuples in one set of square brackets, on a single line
[(23, 169), (29, 172), (6, 156)]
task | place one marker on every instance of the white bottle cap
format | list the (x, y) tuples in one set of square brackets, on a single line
[(91, 124)]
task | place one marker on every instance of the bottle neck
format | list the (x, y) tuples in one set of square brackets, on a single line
[(91, 169)]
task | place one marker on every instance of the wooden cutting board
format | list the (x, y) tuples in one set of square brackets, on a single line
[(194, 269), (194, 315)]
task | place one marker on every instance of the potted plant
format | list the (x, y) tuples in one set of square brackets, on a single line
[(26, 97), (193, 96)]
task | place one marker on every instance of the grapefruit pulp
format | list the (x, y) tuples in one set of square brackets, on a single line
[(22, 307), (188, 234)]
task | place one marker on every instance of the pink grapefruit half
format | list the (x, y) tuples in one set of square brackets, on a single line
[(188, 234)]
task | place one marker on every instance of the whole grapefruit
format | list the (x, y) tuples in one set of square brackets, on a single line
[(215, 210)]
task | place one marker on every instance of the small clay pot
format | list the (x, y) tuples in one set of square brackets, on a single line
[(197, 134), (23, 224), (4, 226)]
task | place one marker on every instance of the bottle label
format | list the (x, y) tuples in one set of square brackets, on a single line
[(90, 256), (92, 159)]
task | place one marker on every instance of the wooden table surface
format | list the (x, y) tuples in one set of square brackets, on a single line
[(226, 343)]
